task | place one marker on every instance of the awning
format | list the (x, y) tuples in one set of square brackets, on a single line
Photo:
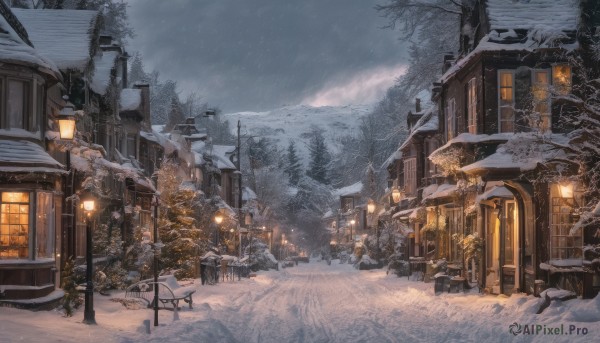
[(442, 191), (495, 192), (27, 157), (404, 214)]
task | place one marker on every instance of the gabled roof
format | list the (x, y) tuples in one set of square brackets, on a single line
[(63, 36), (221, 156), (533, 14), (428, 123), (13, 49), (351, 190)]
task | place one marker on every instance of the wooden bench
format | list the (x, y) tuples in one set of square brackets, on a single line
[(169, 291)]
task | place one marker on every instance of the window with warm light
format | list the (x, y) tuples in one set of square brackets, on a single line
[(561, 79), (506, 100), (565, 245), (14, 225)]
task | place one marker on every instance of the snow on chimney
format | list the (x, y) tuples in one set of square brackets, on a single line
[(145, 103)]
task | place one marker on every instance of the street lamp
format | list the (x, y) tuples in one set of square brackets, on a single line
[(155, 203), (396, 195), (89, 316), (352, 222), (218, 221), (371, 206), (66, 122), (66, 130)]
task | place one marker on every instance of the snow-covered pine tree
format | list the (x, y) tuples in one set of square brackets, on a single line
[(178, 228), (161, 95), (320, 157), (136, 71), (293, 166)]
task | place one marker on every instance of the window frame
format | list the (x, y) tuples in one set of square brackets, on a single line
[(410, 176), (472, 106), (545, 120), (502, 105), (450, 119), (553, 78)]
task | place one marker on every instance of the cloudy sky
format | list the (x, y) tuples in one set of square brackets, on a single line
[(258, 55)]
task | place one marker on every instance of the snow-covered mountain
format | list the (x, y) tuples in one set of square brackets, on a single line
[(295, 122)]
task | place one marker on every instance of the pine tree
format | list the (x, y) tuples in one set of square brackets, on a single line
[(136, 71), (72, 299), (175, 114), (319, 157), (293, 168), (179, 230)]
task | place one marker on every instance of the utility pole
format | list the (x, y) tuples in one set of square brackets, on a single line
[(239, 168)]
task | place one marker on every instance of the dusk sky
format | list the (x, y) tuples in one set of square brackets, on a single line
[(256, 55)]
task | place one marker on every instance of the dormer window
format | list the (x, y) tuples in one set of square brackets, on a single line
[(541, 98)]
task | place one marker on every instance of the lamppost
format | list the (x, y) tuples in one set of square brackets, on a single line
[(89, 316), (218, 221), (371, 209), (352, 222), (66, 129), (155, 261)]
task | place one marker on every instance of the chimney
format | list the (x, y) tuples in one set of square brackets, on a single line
[(448, 60), (417, 105), (145, 104)]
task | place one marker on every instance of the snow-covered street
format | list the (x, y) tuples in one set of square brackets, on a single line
[(315, 302)]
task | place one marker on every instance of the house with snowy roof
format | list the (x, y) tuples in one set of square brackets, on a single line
[(105, 156), (30, 178), (505, 117)]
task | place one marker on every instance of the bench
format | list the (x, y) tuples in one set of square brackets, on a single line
[(169, 291)]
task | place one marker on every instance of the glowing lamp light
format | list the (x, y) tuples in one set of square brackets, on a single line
[(353, 222), (371, 207), (89, 205), (566, 190), (396, 195), (218, 219), (66, 122)]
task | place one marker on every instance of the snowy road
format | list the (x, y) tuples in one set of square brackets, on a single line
[(315, 302)]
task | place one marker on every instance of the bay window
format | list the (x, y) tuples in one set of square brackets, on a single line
[(21, 102), (565, 246), (26, 218), (410, 176)]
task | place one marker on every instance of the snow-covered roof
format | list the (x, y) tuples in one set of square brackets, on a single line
[(469, 138), (533, 14), (495, 192), (220, 155), (63, 36), (104, 62), (396, 155), (443, 190), (523, 152), (429, 122), (131, 99), (349, 190), (545, 23), (14, 50), (248, 194), (26, 156)]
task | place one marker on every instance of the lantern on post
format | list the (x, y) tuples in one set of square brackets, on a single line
[(66, 122)]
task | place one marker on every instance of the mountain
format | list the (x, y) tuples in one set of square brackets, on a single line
[(294, 123)]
